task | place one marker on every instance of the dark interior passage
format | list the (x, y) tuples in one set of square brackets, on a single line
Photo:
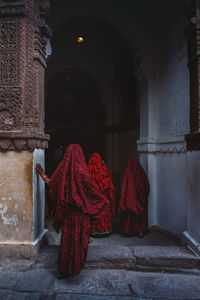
[(74, 114), (92, 94)]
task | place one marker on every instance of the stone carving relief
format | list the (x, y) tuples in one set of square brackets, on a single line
[(162, 146), (10, 107), (23, 32), (8, 68), (8, 34), (44, 6), (193, 38)]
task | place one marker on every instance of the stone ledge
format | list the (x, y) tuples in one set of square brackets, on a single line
[(118, 257), (23, 141), (174, 258), (168, 145), (12, 9)]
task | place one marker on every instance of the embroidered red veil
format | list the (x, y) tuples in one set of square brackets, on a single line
[(135, 188), (101, 176), (71, 185)]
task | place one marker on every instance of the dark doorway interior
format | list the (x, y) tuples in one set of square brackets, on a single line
[(92, 94), (74, 114)]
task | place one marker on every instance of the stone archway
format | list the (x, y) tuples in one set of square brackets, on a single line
[(107, 55)]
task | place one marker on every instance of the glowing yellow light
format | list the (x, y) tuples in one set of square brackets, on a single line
[(80, 39)]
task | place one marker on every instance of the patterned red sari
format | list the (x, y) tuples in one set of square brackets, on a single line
[(102, 181), (75, 200), (134, 199)]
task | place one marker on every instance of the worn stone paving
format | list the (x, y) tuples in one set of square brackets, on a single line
[(154, 267)]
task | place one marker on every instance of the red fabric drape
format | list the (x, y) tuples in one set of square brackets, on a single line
[(71, 186), (102, 181), (134, 199), (75, 200)]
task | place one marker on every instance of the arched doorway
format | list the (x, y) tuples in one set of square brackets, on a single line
[(92, 94)]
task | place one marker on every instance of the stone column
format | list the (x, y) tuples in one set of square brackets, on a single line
[(193, 38), (23, 34), (191, 236)]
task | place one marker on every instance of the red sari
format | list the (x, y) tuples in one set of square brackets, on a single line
[(102, 181), (134, 199), (75, 200)]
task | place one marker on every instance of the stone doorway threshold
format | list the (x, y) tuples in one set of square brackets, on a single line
[(157, 251), (154, 267)]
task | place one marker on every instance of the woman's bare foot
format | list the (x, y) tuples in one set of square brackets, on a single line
[(90, 239)]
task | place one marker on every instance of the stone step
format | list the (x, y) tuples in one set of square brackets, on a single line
[(131, 258), (139, 258), (102, 284), (111, 272)]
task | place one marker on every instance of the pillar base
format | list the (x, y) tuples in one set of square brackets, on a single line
[(25, 249)]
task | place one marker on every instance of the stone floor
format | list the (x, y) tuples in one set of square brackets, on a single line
[(152, 267)]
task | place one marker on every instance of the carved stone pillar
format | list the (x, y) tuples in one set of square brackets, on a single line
[(23, 34), (193, 38)]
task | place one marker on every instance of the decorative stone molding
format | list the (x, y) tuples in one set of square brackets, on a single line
[(17, 141), (18, 9), (22, 64), (152, 146), (193, 38)]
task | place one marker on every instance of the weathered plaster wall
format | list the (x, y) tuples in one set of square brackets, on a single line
[(16, 196), (21, 204)]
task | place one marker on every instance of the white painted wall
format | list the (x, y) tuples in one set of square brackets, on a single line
[(174, 174)]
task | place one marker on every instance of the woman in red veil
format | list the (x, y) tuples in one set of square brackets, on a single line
[(102, 181), (134, 200), (75, 200)]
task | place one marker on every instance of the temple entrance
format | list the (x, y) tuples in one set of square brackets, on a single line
[(92, 95)]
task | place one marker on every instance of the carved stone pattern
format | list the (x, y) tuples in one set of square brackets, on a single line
[(194, 65), (190, 6), (193, 38), (22, 144), (22, 57), (44, 8), (27, 72), (10, 104), (29, 104), (8, 34), (193, 142), (192, 34), (170, 148), (40, 44), (18, 10), (8, 68)]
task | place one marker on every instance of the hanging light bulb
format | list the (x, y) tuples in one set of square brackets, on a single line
[(80, 39)]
